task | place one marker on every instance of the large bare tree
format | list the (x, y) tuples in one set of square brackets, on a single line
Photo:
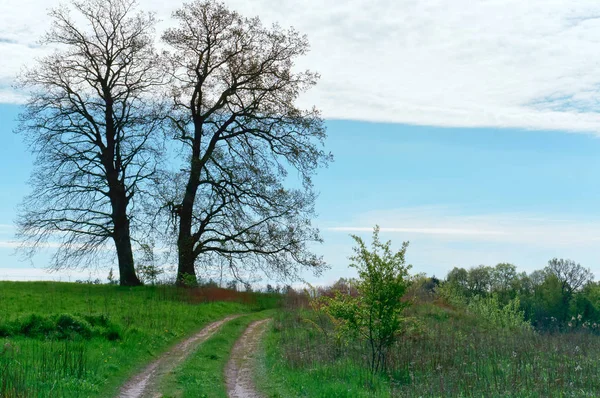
[(233, 109), (91, 124)]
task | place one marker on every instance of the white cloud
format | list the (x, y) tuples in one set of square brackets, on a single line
[(39, 274), (426, 231), (444, 237), (13, 244), (6, 228), (446, 224), (502, 63)]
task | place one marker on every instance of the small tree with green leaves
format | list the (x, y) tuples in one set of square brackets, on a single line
[(375, 314), (111, 278), (147, 269)]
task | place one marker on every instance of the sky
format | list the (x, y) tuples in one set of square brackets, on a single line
[(468, 128)]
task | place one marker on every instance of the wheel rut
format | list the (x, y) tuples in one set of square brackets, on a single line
[(145, 384), (242, 362)]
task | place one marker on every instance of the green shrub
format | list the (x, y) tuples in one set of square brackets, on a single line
[(375, 313), (6, 330), (33, 325), (71, 326), (98, 320), (494, 314), (61, 327)]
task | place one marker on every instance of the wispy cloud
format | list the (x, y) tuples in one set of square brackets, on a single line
[(40, 274), (425, 231), (439, 223), (442, 237), (7, 227), (11, 244), (108, 247), (513, 63)]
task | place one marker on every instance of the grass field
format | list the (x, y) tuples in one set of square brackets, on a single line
[(450, 354), (79, 340)]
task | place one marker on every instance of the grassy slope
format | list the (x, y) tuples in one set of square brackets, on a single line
[(453, 355), (278, 378), (202, 374), (150, 320)]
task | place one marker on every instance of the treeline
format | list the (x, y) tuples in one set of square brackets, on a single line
[(560, 296)]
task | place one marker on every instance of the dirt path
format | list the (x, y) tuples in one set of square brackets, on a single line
[(238, 372), (145, 383)]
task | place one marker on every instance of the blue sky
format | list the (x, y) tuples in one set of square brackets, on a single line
[(462, 196), (469, 128)]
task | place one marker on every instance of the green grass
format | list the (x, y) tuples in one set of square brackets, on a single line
[(450, 355), (340, 378), (49, 351), (202, 374), (306, 374)]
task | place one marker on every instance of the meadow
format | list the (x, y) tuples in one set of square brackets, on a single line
[(84, 340), (445, 351)]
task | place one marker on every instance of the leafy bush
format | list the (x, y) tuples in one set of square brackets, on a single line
[(375, 313), (32, 325), (61, 327), (70, 326), (494, 314)]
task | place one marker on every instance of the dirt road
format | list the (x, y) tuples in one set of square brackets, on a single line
[(239, 369), (145, 383)]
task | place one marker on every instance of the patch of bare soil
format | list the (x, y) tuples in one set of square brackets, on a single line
[(239, 370), (145, 383)]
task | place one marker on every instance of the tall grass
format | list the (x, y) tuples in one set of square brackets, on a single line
[(450, 353), (51, 357)]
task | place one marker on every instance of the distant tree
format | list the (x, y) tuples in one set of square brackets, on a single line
[(571, 275), (459, 277), (551, 301), (344, 285), (503, 276), (233, 93), (504, 281), (480, 280), (522, 283), (429, 285), (111, 278), (592, 292), (147, 268), (375, 313), (90, 122), (537, 277)]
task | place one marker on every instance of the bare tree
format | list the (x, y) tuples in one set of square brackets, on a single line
[(90, 123), (233, 110), (571, 275)]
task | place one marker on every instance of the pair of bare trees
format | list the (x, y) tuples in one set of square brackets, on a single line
[(106, 110)]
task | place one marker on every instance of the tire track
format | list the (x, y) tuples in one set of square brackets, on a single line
[(239, 369), (145, 383)]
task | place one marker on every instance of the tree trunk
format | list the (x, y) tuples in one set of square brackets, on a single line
[(122, 238), (186, 272)]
